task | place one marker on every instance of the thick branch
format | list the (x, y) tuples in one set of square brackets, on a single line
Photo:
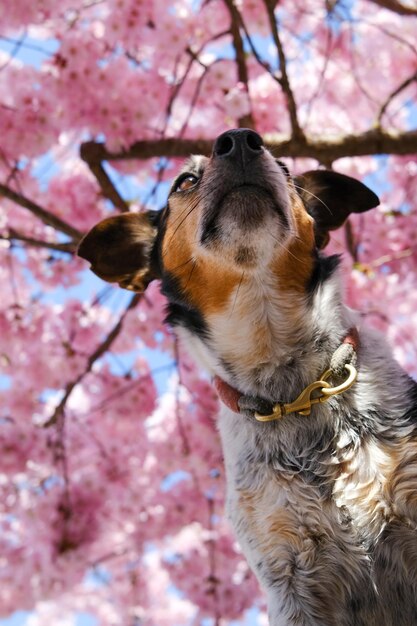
[(45, 216), (98, 352), (376, 141)]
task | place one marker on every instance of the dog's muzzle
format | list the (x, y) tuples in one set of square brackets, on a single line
[(243, 183)]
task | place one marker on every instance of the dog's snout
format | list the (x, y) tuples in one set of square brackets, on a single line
[(244, 198), (242, 144)]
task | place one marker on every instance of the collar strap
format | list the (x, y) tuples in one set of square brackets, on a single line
[(342, 361)]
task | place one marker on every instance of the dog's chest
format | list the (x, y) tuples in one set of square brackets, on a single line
[(275, 489), (281, 516), (267, 478)]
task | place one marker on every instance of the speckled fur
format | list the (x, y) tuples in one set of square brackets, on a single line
[(324, 506)]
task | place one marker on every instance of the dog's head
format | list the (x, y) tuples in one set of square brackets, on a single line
[(235, 216)]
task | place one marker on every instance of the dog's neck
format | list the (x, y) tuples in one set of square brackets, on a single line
[(273, 342)]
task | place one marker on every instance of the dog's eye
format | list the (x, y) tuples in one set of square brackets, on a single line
[(186, 182)]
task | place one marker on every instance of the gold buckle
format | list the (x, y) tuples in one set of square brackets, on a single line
[(304, 402)]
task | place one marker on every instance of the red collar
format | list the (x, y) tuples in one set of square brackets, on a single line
[(227, 394)]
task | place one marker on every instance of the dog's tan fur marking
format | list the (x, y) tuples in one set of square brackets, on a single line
[(280, 525), (294, 266), (208, 282), (377, 482), (361, 484), (254, 505), (401, 483)]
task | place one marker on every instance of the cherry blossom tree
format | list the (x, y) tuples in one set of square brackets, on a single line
[(111, 473)]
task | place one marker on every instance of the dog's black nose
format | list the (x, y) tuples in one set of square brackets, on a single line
[(240, 143)]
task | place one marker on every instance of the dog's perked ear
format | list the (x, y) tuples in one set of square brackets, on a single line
[(120, 249), (330, 198)]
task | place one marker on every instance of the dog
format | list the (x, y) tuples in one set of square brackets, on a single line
[(318, 422)]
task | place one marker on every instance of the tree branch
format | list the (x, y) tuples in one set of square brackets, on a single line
[(45, 216), (396, 7), (375, 141), (96, 166), (104, 346), (247, 120), (14, 235), (284, 81), (406, 83)]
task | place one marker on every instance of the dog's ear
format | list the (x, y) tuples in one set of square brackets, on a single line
[(119, 249), (330, 197)]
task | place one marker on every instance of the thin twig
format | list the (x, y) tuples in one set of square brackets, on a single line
[(186, 447), (246, 121), (13, 54), (107, 187), (406, 83), (14, 235), (212, 578), (104, 346), (297, 132)]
